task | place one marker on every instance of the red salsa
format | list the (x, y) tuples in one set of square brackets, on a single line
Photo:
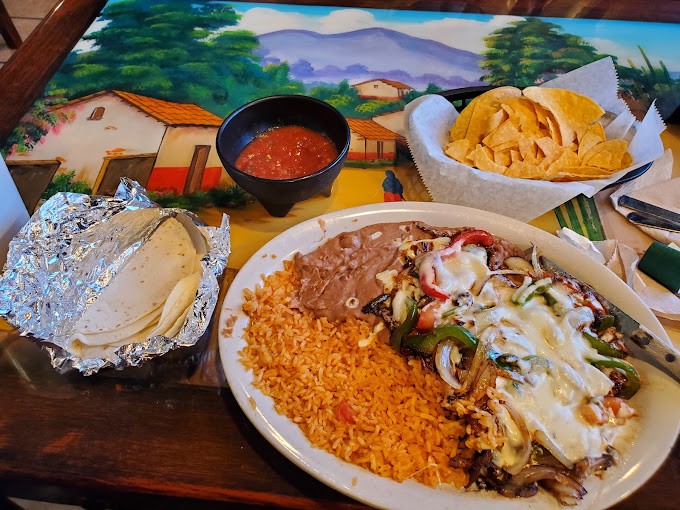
[(286, 152)]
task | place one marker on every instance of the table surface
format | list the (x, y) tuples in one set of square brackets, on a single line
[(170, 432)]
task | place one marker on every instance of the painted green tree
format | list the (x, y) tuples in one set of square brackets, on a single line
[(647, 83), (175, 50), (532, 51)]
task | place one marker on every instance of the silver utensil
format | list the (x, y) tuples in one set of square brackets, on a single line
[(640, 341), (647, 220), (649, 209)]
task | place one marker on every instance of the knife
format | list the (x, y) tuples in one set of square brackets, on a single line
[(649, 209), (648, 220), (640, 341)]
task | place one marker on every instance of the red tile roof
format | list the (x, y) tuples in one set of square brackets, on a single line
[(394, 83), (371, 130), (169, 113)]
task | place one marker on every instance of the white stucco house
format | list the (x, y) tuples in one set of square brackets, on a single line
[(394, 121), (369, 141), (165, 146), (380, 88)]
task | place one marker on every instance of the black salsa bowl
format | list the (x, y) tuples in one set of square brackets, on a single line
[(278, 196)]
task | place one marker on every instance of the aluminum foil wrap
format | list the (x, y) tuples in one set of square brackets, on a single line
[(64, 257)]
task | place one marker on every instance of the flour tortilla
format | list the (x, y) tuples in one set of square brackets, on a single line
[(87, 345), (166, 321), (131, 301), (177, 306), (121, 334)]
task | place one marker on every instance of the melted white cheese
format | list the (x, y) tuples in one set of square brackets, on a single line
[(388, 278), (457, 274), (549, 395), (549, 400)]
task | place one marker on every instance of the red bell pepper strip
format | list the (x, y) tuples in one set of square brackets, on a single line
[(428, 277), (428, 314), (479, 237)]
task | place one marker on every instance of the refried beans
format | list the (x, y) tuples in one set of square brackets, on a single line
[(338, 278)]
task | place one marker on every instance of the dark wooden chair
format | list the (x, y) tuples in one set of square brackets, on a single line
[(7, 29)]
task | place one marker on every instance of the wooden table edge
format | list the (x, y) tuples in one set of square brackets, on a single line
[(25, 75)]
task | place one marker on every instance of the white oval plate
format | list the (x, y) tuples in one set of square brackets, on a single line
[(655, 402)]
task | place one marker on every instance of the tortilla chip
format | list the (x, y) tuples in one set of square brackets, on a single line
[(541, 114), (510, 144), (458, 149), (539, 133), (589, 141), (506, 132), (483, 160), (555, 133), (522, 170), (596, 127), (473, 120), (527, 146), (567, 159), (533, 160), (502, 158), (545, 163), (626, 160), (462, 122), (479, 123), (606, 155), (570, 110), (579, 173), (523, 113), (496, 120), (549, 146), (512, 116)]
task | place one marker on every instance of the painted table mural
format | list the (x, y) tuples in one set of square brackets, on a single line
[(145, 90)]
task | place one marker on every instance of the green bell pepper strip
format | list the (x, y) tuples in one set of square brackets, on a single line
[(537, 290), (603, 347), (606, 322), (511, 363), (426, 344), (405, 327), (549, 299), (508, 362), (632, 377)]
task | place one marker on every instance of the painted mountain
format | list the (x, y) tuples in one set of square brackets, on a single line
[(370, 53)]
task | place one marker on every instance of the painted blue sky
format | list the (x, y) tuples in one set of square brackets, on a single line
[(464, 31)]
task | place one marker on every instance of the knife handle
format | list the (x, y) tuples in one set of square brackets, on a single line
[(651, 221), (649, 209), (665, 357)]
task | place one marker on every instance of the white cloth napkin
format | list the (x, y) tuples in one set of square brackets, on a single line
[(657, 188), (622, 260), (13, 213)]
